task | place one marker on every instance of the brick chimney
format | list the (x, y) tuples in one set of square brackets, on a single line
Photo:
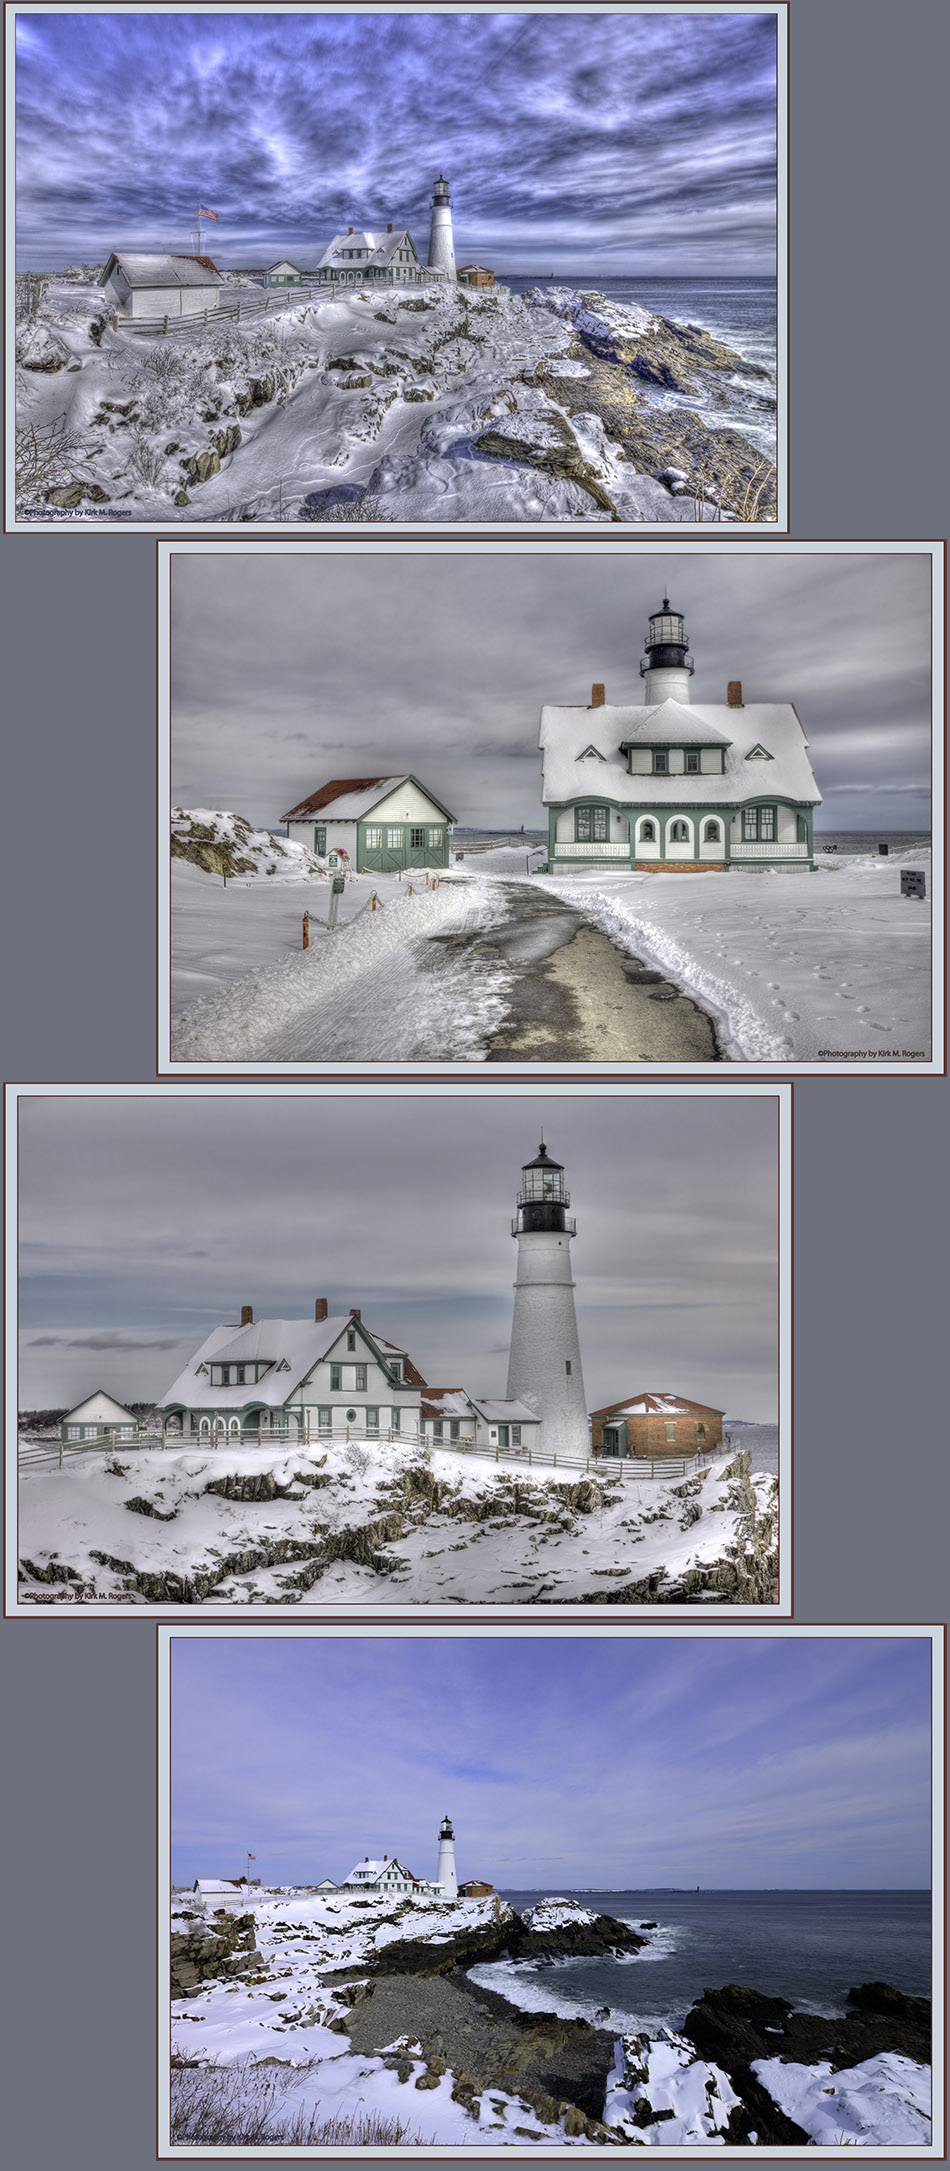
[(247, 1315), (734, 693), (320, 1308), (389, 227), (349, 231), (598, 695), (354, 1311)]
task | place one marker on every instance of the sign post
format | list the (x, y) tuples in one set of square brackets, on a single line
[(337, 887)]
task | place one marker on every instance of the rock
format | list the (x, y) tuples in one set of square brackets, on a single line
[(201, 465), (259, 393), (356, 383), (65, 494), (417, 392), (98, 495), (642, 975), (145, 1507), (574, 2121), (428, 2080), (182, 497), (227, 440), (542, 437), (734, 2026)]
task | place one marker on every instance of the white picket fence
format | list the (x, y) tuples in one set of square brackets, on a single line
[(37, 1453)]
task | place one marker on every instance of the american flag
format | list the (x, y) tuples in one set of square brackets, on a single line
[(204, 213), (252, 1858)]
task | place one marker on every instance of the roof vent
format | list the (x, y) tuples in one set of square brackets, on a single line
[(598, 695), (320, 1308), (355, 1311), (247, 1315), (734, 693)]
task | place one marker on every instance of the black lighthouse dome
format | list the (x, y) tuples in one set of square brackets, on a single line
[(440, 193), (543, 1196), (445, 1828), (666, 644)]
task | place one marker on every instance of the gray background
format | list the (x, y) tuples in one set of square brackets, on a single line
[(868, 341)]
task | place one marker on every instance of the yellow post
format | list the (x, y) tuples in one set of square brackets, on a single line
[(373, 902), (399, 874), (306, 930), (410, 889)]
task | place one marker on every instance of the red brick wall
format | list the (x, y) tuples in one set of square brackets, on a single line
[(647, 1435), (678, 866)]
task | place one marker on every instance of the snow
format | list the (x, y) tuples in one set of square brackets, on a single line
[(531, 1549), (884, 2101), (359, 990), (554, 1913), (668, 2075), (275, 857), (348, 805), (796, 967), (417, 457), (566, 733)]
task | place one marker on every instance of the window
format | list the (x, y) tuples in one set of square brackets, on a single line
[(435, 839), (324, 1416), (661, 763), (671, 1432), (225, 1375), (567, 1366), (72, 1432), (351, 1417), (679, 833), (453, 1428), (320, 843), (767, 823), (591, 824), (374, 838), (239, 1375), (336, 1378), (438, 1428), (711, 833), (417, 838), (394, 839), (516, 1435), (692, 764), (397, 1420), (396, 1367), (700, 1432), (758, 822), (647, 833), (360, 1382), (372, 1420), (351, 1337)]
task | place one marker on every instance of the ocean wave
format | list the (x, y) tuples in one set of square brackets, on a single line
[(536, 1993)]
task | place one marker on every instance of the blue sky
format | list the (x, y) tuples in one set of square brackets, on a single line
[(633, 141), (144, 1221), (761, 1762)]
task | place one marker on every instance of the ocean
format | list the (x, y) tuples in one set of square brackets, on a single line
[(740, 312), (869, 840), (809, 1947)]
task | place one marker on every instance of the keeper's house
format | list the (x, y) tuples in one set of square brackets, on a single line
[(379, 823), (283, 274), (650, 1426), (663, 787), (374, 259), (98, 1418), (292, 1379), (161, 286)]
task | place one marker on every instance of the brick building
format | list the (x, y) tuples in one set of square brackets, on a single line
[(650, 1426)]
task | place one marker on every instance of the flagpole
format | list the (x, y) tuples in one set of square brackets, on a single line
[(199, 226)]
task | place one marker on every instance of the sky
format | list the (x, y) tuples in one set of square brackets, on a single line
[(146, 1220), (290, 670), (626, 1763), (635, 141)]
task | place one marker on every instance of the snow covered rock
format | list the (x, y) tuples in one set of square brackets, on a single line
[(39, 348), (222, 842)]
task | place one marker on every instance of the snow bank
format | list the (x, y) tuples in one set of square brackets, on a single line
[(553, 1914), (883, 2102), (665, 2075), (211, 838)]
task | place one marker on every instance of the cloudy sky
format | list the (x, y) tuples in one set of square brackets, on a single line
[(632, 141), (146, 1220), (760, 1762), (290, 669)]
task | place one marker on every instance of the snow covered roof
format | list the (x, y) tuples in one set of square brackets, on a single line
[(672, 723), (373, 248), (99, 1397), (567, 733), (349, 797), (291, 1347), (368, 1870), (446, 1402), (504, 1413), (217, 1884), (662, 1405), (144, 271)]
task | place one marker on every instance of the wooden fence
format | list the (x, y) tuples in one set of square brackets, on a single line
[(248, 305)]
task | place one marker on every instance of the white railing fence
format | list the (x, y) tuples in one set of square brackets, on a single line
[(34, 1453)]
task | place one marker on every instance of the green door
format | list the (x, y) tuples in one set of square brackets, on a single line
[(416, 841), (503, 1433)]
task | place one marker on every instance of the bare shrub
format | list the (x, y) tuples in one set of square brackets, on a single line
[(365, 507), (47, 456), (239, 2107)]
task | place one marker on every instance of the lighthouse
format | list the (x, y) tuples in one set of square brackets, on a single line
[(445, 1874), (544, 1362), (441, 249), (667, 666)]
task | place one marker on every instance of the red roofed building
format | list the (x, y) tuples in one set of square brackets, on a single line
[(652, 1425), (379, 823)]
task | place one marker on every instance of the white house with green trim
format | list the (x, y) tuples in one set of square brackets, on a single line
[(376, 823), (374, 259), (665, 787), (291, 1379), (283, 274), (450, 1416), (98, 1418)]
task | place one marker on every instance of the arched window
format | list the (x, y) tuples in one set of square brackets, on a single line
[(679, 833), (647, 833), (205, 1425), (234, 1424), (711, 833)]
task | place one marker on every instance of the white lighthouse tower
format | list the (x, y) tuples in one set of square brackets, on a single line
[(544, 1362), (445, 1874), (441, 247), (667, 667)]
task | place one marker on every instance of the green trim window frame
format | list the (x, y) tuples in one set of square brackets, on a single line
[(336, 1379), (453, 1428), (647, 832), (394, 840), (661, 761), (374, 840), (351, 1337), (680, 832), (712, 832), (372, 1420), (325, 1416), (591, 825), (516, 1435), (320, 842), (692, 764), (436, 839), (360, 1371), (758, 825), (417, 839), (396, 1420)]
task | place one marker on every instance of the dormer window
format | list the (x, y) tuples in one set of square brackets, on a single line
[(661, 761), (351, 1337), (692, 764), (758, 753), (591, 753)]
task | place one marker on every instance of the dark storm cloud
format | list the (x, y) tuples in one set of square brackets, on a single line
[(402, 1206), (624, 141), (289, 670)]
